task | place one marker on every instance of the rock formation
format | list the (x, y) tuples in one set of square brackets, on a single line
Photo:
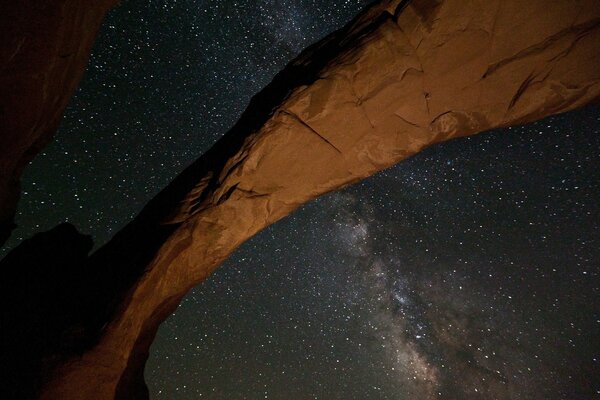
[(39, 296), (402, 76), (43, 53)]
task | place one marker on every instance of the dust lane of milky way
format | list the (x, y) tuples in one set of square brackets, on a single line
[(471, 270)]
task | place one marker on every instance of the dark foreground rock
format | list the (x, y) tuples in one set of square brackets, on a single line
[(39, 293)]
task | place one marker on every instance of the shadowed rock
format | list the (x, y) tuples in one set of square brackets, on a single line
[(44, 50), (39, 292)]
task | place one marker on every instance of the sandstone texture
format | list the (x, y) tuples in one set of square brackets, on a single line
[(402, 76), (44, 50)]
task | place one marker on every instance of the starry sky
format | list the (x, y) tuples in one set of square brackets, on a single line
[(470, 271)]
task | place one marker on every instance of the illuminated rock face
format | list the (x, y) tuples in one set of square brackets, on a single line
[(402, 76), (44, 49)]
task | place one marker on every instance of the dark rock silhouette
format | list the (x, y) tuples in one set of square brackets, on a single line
[(40, 292)]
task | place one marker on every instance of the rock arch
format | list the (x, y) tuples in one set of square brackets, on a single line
[(402, 76)]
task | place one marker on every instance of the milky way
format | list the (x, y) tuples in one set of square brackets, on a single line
[(470, 271)]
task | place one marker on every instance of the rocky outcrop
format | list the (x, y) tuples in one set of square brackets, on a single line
[(43, 53), (402, 76), (39, 293)]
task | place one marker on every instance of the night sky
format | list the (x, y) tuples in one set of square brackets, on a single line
[(470, 271)]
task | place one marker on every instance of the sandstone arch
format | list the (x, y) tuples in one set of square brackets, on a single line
[(402, 76)]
